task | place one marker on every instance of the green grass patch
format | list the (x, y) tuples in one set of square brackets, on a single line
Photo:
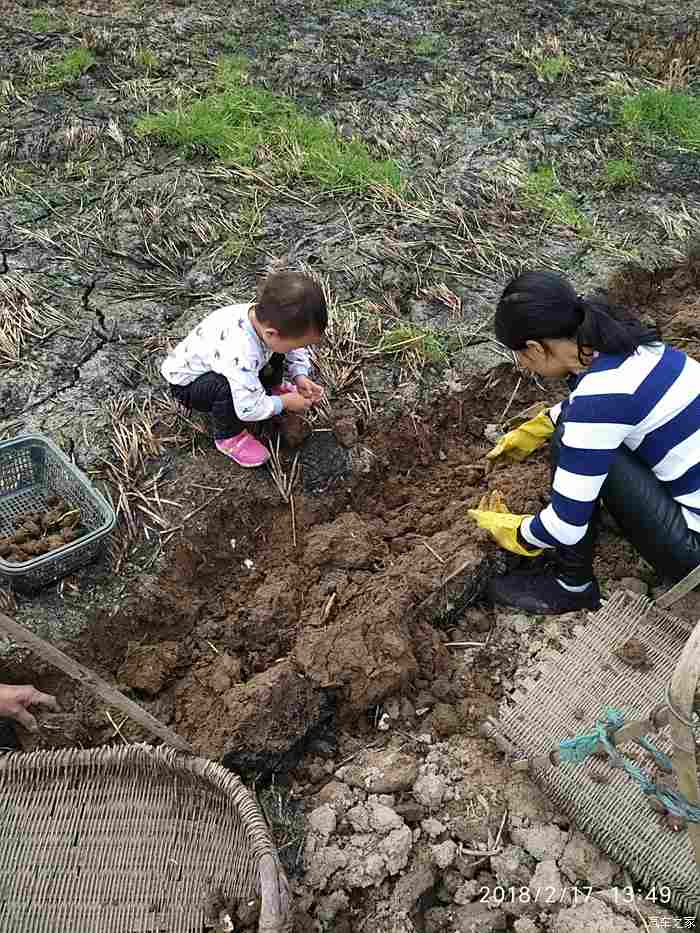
[(671, 116), (146, 60), (544, 192), (230, 41), (424, 344), (70, 66), (621, 173), (553, 68), (429, 45), (247, 229), (243, 124), (352, 4), (44, 21)]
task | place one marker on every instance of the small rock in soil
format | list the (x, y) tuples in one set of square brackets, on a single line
[(544, 841), (526, 802), (322, 820), (525, 925), (445, 720), (412, 886), (437, 920), (410, 812), (443, 855), (380, 771), (583, 859), (329, 907), (432, 827), (337, 795), (591, 917), (635, 653), (478, 918), (546, 885), (443, 689), (149, 667), (514, 867), (226, 671), (430, 790), (633, 585), (466, 892), (369, 862)]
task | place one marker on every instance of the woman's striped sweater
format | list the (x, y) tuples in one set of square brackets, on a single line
[(649, 401)]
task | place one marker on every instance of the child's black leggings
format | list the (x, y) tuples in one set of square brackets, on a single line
[(211, 393)]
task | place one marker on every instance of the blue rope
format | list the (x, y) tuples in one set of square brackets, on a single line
[(662, 759), (583, 746)]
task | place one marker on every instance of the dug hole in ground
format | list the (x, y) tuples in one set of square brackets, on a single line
[(319, 672)]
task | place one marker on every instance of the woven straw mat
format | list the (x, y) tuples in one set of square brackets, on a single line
[(571, 694), (130, 840)]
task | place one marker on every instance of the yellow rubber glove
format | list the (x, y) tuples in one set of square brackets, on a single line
[(494, 517), (519, 443)]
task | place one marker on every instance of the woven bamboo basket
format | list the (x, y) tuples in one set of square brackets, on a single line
[(132, 840), (573, 689)]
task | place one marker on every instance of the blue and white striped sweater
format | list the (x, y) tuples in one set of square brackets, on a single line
[(649, 401)]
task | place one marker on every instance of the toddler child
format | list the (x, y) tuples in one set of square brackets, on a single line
[(230, 362)]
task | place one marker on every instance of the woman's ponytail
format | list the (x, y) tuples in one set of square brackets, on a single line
[(605, 329)]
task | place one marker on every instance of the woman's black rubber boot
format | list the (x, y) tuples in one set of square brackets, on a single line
[(541, 594)]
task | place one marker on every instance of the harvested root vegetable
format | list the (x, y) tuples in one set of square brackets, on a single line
[(38, 533), (52, 518)]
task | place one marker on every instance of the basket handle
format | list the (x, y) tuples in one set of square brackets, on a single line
[(681, 696), (274, 891)]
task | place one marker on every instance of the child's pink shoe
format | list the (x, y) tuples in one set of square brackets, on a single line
[(284, 388), (243, 449)]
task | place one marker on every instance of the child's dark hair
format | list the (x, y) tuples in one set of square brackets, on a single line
[(292, 303), (543, 305)]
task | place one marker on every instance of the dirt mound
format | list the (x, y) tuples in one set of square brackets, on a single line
[(369, 648), (255, 726), (666, 297)]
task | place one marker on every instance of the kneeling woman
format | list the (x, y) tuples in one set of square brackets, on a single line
[(628, 434)]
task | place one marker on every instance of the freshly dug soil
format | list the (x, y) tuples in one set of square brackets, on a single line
[(248, 646)]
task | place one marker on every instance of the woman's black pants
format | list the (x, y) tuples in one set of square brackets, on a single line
[(646, 514)]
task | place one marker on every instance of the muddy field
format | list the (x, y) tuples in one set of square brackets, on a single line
[(219, 603)]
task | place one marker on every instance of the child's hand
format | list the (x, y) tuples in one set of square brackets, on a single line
[(295, 401), (309, 389)]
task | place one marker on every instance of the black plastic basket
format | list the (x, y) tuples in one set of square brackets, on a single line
[(32, 469)]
